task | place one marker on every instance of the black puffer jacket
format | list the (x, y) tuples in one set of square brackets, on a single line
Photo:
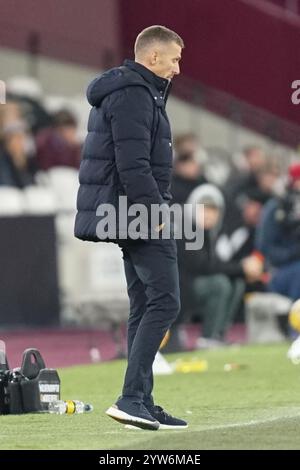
[(128, 149)]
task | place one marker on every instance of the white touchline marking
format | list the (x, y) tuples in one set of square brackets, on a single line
[(286, 413), (293, 413)]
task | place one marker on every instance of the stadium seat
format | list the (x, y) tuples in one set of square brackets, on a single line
[(11, 201), (96, 294), (64, 183), (39, 200), (262, 312), (25, 86), (54, 103)]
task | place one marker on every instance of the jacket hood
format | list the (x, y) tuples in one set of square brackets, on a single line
[(207, 194), (129, 74), (211, 195), (108, 82)]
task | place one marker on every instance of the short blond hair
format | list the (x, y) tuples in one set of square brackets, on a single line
[(156, 33)]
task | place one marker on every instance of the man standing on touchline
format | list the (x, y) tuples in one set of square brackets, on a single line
[(128, 152)]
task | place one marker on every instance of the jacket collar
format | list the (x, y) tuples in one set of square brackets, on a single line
[(161, 84)]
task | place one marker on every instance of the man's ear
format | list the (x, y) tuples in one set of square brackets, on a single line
[(153, 58)]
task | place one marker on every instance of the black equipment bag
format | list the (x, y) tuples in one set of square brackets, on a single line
[(4, 379), (29, 388)]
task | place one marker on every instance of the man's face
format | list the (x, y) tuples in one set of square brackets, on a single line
[(190, 169), (16, 146), (267, 180), (164, 59), (69, 134), (208, 216), (188, 145), (252, 212), (256, 159)]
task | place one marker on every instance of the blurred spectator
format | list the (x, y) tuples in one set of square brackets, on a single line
[(278, 238), (188, 172), (26, 92), (237, 238), (218, 165), (186, 143), (216, 286), (255, 161), (59, 145), (16, 168), (261, 178), (10, 112), (267, 177), (187, 176)]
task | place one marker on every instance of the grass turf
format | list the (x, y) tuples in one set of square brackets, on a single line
[(257, 407)]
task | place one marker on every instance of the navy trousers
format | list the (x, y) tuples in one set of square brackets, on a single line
[(151, 271)]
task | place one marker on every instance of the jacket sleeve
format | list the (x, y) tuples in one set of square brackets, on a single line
[(200, 263), (270, 239), (131, 114)]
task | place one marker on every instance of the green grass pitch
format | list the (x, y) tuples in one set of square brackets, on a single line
[(253, 408)]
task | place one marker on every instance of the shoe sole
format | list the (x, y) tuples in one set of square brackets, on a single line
[(161, 426), (168, 426), (127, 419)]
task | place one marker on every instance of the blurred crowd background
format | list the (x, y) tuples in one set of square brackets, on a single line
[(236, 150)]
